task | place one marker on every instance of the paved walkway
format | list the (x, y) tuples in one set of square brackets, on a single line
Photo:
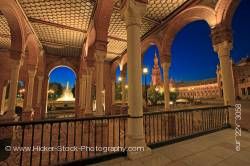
[(216, 149)]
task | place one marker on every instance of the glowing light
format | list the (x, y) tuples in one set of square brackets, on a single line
[(126, 86), (119, 79), (51, 91), (157, 89), (145, 70)]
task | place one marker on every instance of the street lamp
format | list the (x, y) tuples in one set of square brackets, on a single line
[(119, 79), (145, 72)]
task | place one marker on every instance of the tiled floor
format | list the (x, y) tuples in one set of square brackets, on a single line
[(216, 149)]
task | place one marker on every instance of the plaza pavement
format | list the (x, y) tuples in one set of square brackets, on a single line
[(216, 149)]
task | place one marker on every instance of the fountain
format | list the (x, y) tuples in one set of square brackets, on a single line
[(67, 95)]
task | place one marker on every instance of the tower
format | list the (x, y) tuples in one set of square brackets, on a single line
[(156, 73)]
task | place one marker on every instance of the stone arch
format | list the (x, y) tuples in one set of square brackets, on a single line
[(8, 9), (69, 67), (50, 69), (187, 16), (33, 50), (62, 62), (150, 41), (225, 10)]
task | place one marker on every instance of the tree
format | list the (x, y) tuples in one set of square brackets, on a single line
[(57, 89), (154, 95), (118, 90), (173, 96), (73, 90)]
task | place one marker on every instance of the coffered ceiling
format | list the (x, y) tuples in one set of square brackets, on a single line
[(61, 25)]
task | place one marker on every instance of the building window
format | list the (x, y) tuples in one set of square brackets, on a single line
[(243, 91)]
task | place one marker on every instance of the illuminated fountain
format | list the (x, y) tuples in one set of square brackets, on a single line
[(67, 95)]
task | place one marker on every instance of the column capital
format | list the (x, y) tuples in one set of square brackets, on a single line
[(223, 49), (132, 11), (100, 55), (165, 65), (220, 34), (40, 77), (31, 67), (32, 73), (101, 45), (16, 54), (41, 52), (90, 70), (165, 58)]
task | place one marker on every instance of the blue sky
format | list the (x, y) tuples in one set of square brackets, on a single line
[(193, 57)]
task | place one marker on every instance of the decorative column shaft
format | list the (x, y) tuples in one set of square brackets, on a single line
[(165, 66), (31, 78), (113, 91), (223, 50), (100, 56), (39, 90), (133, 12), (89, 76), (3, 89), (82, 94), (222, 42), (15, 67)]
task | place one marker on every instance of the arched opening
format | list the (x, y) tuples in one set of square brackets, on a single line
[(194, 66), (121, 83), (118, 88), (152, 77), (61, 92)]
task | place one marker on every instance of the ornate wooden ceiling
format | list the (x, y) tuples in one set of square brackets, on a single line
[(61, 25)]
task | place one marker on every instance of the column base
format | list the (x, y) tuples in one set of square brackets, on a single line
[(99, 113), (37, 113), (80, 113), (9, 116), (139, 154), (28, 114), (139, 142)]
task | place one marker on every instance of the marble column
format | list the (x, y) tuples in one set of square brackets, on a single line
[(132, 12), (223, 49), (38, 102), (89, 76), (100, 56), (28, 110), (165, 67), (82, 94), (3, 88), (39, 90), (15, 67)]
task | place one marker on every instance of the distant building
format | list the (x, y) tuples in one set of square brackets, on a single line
[(213, 88), (202, 89), (241, 72)]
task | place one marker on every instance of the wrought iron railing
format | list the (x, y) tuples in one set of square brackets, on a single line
[(167, 127), (62, 140), (84, 140)]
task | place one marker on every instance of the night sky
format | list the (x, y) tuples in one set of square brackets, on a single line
[(193, 57)]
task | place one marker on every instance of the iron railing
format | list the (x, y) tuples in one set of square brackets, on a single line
[(171, 126), (84, 140), (63, 140)]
